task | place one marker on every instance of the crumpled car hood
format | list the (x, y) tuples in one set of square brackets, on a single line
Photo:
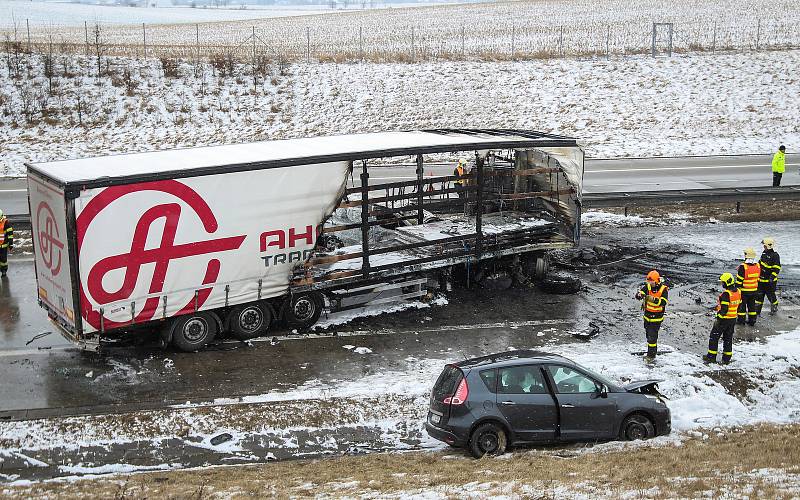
[(644, 386)]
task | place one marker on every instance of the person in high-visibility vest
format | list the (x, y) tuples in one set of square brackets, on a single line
[(6, 242), (727, 312), (770, 263), (654, 296), (459, 172), (778, 166), (747, 280)]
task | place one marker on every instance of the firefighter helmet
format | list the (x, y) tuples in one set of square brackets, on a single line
[(749, 253), (653, 276), (768, 242), (726, 279)]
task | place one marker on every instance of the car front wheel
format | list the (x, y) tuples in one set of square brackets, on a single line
[(487, 439), (637, 427)]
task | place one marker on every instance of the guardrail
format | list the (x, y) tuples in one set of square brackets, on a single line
[(690, 196)]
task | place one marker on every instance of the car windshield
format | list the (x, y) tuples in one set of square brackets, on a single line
[(603, 380)]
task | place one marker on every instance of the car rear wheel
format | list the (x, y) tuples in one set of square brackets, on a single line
[(487, 439), (637, 427)]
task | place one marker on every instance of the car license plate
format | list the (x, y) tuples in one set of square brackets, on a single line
[(435, 419)]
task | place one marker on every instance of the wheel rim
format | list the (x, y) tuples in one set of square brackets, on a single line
[(251, 319), (304, 309), (195, 330), (488, 442), (636, 431)]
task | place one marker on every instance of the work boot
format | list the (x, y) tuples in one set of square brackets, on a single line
[(773, 308), (726, 360), (707, 358)]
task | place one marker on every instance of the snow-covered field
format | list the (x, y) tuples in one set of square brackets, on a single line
[(639, 106), (492, 30), (43, 15)]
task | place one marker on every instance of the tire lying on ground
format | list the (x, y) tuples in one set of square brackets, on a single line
[(192, 332), (561, 285), (487, 439)]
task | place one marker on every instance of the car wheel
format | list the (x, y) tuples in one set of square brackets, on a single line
[(249, 321), (561, 285), (487, 439), (304, 309), (192, 332), (637, 427)]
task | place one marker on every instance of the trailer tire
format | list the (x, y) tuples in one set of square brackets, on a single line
[(536, 266), (303, 309), (561, 285), (248, 321), (192, 332)]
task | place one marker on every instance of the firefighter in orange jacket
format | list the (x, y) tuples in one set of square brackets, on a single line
[(654, 297), (747, 280), (727, 313), (6, 242)]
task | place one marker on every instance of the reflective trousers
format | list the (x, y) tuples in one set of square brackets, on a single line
[(776, 179), (748, 310), (766, 290), (722, 328), (651, 332), (3, 260)]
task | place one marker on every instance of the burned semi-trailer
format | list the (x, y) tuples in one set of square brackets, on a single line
[(196, 242)]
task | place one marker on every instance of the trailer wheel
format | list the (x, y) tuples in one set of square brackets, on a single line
[(192, 332), (304, 309), (536, 266), (248, 321)]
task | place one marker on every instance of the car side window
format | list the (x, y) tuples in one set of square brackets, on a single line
[(526, 379), (569, 381), (489, 378)]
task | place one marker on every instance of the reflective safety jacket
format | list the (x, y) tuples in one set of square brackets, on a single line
[(747, 277), (770, 266), (779, 162), (728, 304), (459, 172), (6, 234), (654, 301)]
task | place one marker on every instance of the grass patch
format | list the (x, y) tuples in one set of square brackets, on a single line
[(758, 461)]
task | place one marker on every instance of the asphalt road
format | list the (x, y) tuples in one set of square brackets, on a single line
[(601, 176)]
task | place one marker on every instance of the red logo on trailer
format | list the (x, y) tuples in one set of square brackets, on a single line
[(161, 256), (50, 244)]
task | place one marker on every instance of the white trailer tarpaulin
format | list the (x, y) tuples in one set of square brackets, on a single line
[(151, 250)]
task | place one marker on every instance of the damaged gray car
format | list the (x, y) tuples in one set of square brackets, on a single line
[(516, 398)]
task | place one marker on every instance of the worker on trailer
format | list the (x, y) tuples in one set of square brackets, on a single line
[(778, 166), (653, 295), (459, 172), (6, 242), (747, 280), (768, 281), (727, 312)]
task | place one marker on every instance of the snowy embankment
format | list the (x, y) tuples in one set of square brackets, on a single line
[(388, 410), (635, 106)]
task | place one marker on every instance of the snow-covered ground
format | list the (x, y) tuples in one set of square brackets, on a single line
[(636, 106), (490, 30)]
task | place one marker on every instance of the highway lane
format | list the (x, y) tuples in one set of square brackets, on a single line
[(601, 175)]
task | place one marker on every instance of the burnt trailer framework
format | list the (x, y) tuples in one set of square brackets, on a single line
[(522, 197)]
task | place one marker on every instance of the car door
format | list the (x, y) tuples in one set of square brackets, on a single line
[(586, 412), (525, 401)]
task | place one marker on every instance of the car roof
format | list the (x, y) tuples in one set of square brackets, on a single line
[(508, 358)]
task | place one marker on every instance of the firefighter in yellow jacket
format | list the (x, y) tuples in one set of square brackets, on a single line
[(654, 297), (727, 312), (747, 280), (6, 242)]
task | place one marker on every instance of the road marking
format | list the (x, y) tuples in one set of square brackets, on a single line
[(662, 183), (634, 169), (13, 190)]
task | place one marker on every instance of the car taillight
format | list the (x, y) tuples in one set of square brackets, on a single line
[(461, 394)]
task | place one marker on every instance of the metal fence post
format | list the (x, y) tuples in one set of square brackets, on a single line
[(608, 40), (361, 42), (463, 44), (144, 41), (28, 25), (413, 49), (513, 41), (714, 39), (308, 45), (758, 35), (653, 45), (561, 42)]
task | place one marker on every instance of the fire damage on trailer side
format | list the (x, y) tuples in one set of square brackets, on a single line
[(360, 241)]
